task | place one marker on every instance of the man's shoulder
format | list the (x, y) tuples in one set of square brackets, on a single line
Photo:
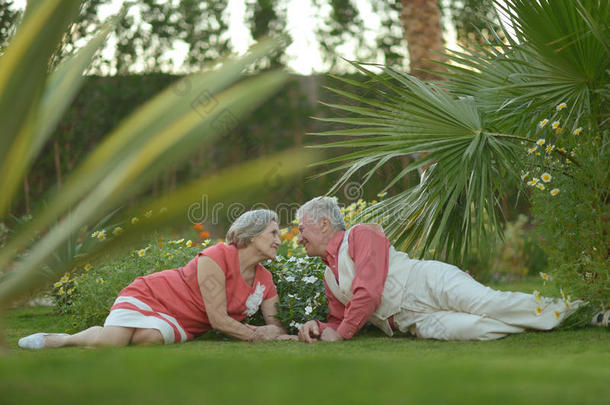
[(361, 229)]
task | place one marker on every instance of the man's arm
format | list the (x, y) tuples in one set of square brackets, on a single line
[(369, 250)]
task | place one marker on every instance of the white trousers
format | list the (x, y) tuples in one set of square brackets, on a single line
[(443, 302)]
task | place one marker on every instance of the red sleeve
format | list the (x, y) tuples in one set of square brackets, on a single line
[(267, 280), (369, 250)]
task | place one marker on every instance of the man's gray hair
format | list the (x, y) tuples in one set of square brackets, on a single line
[(323, 207), (248, 225)]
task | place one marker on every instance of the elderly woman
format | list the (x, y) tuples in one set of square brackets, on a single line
[(217, 289)]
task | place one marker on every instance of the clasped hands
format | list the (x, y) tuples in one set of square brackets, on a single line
[(310, 332)]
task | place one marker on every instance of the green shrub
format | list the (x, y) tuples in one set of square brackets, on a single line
[(569, 180)]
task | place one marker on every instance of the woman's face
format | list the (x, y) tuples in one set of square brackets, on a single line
[(268, 241)]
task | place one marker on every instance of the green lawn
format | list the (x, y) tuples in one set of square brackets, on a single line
[(538, 367)]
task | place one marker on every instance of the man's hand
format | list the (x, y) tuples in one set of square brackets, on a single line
[(330, 335), (266, 332), (309, 332)]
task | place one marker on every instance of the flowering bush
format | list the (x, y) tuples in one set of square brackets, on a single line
[(300, 286), (567, 173)]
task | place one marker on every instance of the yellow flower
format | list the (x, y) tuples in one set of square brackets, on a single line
[(117, 231), (94, 234), (543, 123), (558, 130), (70, 291), (538, 311), (546, 177), (537, 295), (540, 186), (87, 267), (533, 182), (61, 291), (148, 214), (524, 175), (545, 276), (557, 315), (554, 192), (561, 106), (100, 280), (550, 148), (381, 195), (189, 243), (567, 303), (205, 242), (58, 284), (577, 131), (135, 220), (101, 236), (540, 142), (179, 241), (141, 252), (65, 278), (532, 150), (555, 125), (563, 150)]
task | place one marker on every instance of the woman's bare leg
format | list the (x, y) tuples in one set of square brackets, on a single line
[(95, 336), (142, 337)]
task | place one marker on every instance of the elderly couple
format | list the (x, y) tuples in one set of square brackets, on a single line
[(366, 280)]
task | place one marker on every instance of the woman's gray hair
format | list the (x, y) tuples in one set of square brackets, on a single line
[(323, 207), (248, 225)]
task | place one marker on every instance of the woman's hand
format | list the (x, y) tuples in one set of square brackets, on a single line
[(287, 337), (267, 332)]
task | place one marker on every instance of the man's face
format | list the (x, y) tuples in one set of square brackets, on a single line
[(312, 235)]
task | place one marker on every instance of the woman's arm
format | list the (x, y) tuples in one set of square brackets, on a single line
[(274, 326), (269, 311), (211, 280)]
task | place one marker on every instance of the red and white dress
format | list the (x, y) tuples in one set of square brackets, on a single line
[(170, 301)]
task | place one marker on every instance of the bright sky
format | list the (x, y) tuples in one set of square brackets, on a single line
[(303, 54)]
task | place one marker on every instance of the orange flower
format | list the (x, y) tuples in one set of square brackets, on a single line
[(204, 235), (287, 236), (198, 227), (295, 230)]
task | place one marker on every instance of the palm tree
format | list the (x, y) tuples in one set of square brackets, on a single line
[(474, 123)]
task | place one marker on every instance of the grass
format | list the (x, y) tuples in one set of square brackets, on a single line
[(559, 367)]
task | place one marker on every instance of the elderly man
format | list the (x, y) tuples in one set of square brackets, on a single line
[(368, 280)]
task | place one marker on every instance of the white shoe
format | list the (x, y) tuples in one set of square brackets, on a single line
[(35, 341)]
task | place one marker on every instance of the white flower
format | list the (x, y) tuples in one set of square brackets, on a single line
[(290, 279), (546, 177), (308, 310), (310, 279), (254, 300)]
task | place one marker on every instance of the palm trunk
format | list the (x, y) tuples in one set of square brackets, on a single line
[(421, 22)]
